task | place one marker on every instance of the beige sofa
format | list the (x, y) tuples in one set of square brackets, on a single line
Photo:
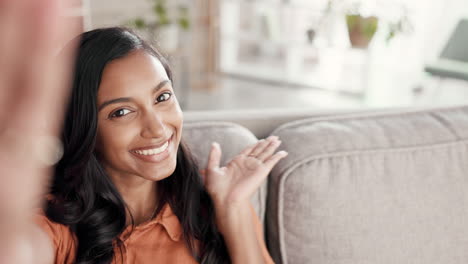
[(375, 186)]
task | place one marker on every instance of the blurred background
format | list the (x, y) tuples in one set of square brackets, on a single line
[(347, 54)]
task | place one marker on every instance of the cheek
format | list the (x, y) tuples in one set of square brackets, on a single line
[(177, 121), (177, 114), (113, 141)]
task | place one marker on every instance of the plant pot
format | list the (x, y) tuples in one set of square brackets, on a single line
[(361, 30)]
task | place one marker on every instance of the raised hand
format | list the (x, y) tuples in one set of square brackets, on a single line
[(34, 83), (231, 188), (235, 183)]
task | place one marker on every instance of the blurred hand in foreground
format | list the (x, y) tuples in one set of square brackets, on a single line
[(34, 85)]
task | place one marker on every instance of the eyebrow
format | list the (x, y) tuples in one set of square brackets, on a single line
[(128, 99)]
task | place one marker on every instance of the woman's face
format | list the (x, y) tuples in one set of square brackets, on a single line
[(139, 119)]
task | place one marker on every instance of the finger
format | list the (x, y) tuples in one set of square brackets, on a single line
[(45, 76), (271, 162), (60, 68), (269, 150), (262, 145), (10, 26), (256, 148), (203, 175), (247, 150), (214, 157), (22, 47)]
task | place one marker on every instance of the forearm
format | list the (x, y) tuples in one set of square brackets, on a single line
[(238, 230)]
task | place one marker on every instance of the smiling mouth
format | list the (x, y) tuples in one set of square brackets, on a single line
[(154, 150)]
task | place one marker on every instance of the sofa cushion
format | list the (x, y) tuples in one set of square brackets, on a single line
[(232, 138), (381, 189)]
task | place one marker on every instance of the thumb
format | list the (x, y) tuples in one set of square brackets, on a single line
[(214, 157)]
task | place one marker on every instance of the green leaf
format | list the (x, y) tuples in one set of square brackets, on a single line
[(390, 35), (160, 9), (139, 23), (183, 20), (184, 23), (351, 20), (164, 20), (370, 27)]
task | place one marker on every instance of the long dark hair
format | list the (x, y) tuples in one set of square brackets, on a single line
[(86, 200)]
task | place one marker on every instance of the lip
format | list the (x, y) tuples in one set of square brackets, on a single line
[(156, 157), (154, 146)]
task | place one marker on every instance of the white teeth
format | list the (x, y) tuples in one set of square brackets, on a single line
[(148, 152)]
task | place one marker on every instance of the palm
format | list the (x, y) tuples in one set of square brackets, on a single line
[(33, 83), (242, 176)]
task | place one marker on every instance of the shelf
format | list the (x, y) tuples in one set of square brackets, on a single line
[(327, 68), (267, 40), (294, 4), (255, 39)]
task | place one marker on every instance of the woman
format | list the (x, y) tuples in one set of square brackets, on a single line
[(127, 189)]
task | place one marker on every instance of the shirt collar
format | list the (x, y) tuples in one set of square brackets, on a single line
[(170, 222), (166, 218)]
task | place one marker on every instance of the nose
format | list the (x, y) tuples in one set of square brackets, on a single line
[(154, 126)]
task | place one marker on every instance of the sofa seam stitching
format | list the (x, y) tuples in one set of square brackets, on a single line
[(361, 116), (381, 150)]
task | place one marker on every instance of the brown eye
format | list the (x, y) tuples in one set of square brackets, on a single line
[(165, 96), (120, 112)]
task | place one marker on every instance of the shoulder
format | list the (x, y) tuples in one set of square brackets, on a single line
[(56, 231), (63, 239)]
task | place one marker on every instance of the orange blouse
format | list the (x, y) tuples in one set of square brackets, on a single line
[(158, 240)]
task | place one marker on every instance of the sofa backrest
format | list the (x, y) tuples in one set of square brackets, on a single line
[(371, 188), (262, 122)]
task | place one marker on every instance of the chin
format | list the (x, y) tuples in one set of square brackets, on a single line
[(157, 174), (156, 178)]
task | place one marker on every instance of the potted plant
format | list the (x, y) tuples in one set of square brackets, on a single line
[(361, 29), (164, 26), (364, 18)]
